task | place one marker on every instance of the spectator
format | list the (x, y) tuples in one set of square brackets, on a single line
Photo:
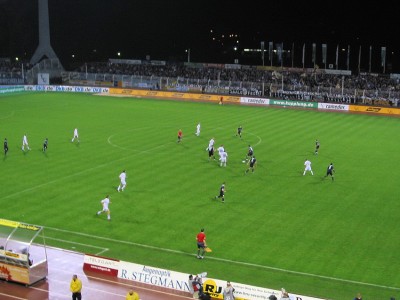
[(76, 288), (228, 291), (131, 295), (284, 295)]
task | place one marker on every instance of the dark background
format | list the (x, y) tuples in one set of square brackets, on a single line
[(94, 30)]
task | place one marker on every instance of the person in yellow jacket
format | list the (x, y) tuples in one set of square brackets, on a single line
[(76, 287), (131, 295)]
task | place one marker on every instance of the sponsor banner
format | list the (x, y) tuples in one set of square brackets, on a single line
[(258, 101), (11, 89), (294, 103), (179, 281), (14, 224), (375, 109), (173, 95), (14, 273), (65, 88), (154, 276), (332, 106), (102, 265), (215, 288)]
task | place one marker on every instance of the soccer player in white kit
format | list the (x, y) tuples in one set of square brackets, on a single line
[(198, 130), (210, 144), (307, 163), (220, 149), (25, 143), (122, 184), (223, 158), (105, 202), (76, 135)]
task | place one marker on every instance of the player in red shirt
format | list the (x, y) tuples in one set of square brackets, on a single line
[(201, 244), (179, 135)]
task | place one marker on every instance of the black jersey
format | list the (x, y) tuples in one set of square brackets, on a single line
[(222, 190), (329, 170), (250, 152), (5, 146), (211, 151), (253, 161)]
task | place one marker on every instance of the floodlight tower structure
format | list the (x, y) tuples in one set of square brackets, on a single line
[(44, 49)]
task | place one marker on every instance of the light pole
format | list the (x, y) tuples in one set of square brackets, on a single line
[(188, 55)]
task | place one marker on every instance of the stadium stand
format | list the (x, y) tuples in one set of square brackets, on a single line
[(286, 83)]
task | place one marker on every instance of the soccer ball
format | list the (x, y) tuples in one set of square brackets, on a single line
[(243, 161)]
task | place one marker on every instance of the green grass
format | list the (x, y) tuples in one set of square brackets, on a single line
[(277, 228)]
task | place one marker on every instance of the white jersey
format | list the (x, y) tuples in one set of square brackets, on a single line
[(24, 140), (307, 164), (76, 132), (211, 143), (223, 156), (105, 202), (198, 129), (122, 177), (220, 150)]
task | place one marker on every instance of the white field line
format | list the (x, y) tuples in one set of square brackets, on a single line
[(14, 297), (228, 260), (80, 244)]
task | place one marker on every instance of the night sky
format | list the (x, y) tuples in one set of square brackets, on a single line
[(93, 30)]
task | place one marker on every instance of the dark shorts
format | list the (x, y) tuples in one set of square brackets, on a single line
[(221, 194), (211, 152), (251, 165), (329, 173), (200, 245)]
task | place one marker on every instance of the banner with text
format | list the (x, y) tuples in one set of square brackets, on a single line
[(173, 95), (294, 103), (102, 265), (66, 88), (179, 281), (14, 273), (375, 109), (11, 89), (332, 106), (257, 101)]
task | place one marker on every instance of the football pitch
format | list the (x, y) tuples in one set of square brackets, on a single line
[(277, 228)]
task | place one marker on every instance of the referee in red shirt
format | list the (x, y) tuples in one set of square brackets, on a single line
[(201, 244)]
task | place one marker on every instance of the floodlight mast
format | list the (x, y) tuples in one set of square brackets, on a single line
[(44, 48)]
